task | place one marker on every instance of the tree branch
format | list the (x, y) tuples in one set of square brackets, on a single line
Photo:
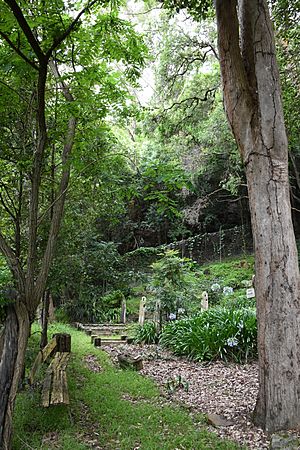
[(36, 180), (50, 207), (17, 12), (63, 86), (8, 194), (18, 51), (60, 199), (16, 92), (57, 210), (192, 99), (66, 33), (7, 209)]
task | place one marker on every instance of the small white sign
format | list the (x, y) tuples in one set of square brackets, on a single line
[(250, 293)]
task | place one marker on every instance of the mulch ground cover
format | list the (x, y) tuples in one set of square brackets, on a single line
[(222, 391)]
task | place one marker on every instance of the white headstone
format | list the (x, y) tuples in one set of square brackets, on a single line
[(142, 311), (204, 301)]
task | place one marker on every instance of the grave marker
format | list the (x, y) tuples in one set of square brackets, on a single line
[(142, 311), (204, 301)]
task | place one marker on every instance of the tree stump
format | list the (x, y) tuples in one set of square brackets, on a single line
[(63, 342), (130, 362)]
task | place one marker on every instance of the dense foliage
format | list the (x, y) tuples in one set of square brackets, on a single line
[(227, 330), (141, 176), (147, 334), (217, 333)]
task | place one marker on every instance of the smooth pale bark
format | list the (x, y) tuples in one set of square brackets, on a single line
[(253, 106)]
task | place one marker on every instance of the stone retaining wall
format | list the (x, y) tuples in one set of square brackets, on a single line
[(215, 246)]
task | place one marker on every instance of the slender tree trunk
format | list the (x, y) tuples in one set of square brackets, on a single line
[(45, 318), (253, 106), (1, 343), (16, 334), (31, 280)]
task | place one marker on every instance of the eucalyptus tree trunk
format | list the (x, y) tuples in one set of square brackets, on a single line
[(253, 105)]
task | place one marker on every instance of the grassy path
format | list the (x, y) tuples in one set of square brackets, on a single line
[(110, 409)]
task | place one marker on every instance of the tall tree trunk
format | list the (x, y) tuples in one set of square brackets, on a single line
[(253, 106), (16, 334)]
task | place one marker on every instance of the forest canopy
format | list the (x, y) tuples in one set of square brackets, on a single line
[(128, 127)]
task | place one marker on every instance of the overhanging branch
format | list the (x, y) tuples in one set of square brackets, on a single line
[(71, 27), (192, 100), (18, 51), (33, 42)]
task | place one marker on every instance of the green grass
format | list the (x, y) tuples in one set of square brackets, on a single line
[(120, 409), (230, 272)]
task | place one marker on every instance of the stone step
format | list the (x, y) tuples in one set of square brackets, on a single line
[(111, 342), (100, 331), (101, 325)]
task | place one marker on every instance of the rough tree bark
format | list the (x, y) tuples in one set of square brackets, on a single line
[(16, 332), (253, 105)]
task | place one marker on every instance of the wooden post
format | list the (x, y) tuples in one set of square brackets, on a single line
[(97, 342), (63, 342), (93, 337)]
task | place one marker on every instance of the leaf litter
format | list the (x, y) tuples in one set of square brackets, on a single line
[(215, 388)]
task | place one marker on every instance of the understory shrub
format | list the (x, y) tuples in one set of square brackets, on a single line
[(216, 333), (173, 285), (146, 334), (238, 302)]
